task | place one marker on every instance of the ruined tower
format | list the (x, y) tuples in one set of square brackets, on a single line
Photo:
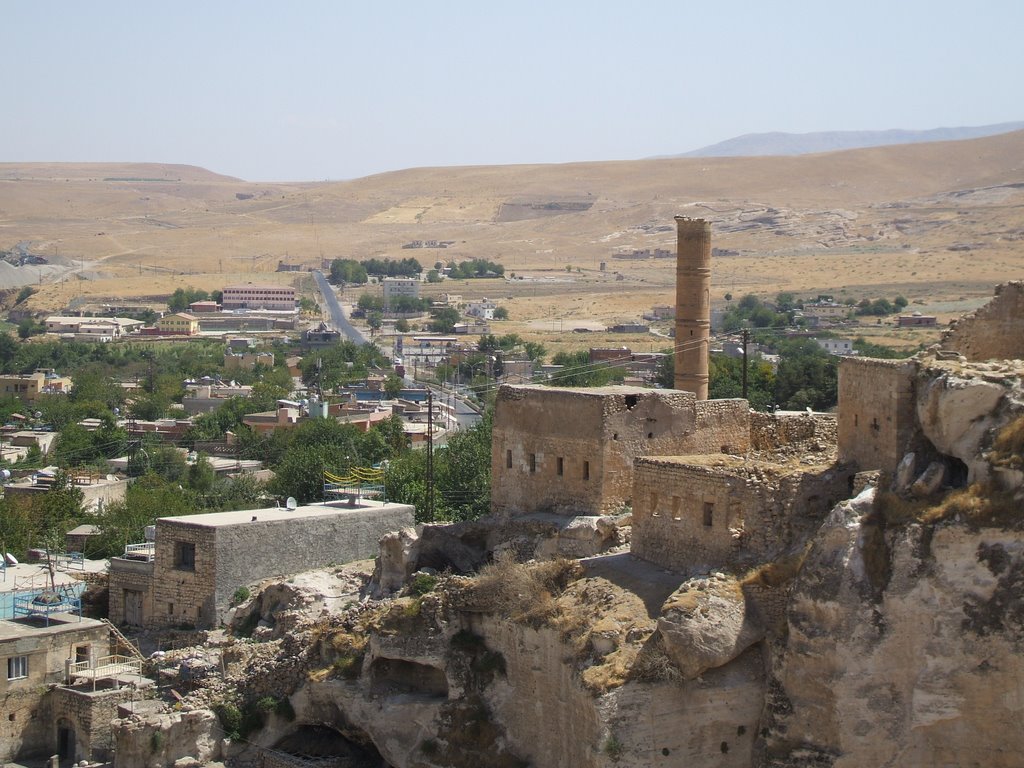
[(693, 305)]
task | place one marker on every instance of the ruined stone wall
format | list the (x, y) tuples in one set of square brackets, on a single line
[(261, 549), (532, 430), (132, 575), (877, 419), (683, 514), (792, 432), (693, 517), (184, 596), (994, 331), (90, 714), (571, 451)]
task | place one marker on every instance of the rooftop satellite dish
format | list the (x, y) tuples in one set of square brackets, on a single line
[(5, 474), (38, 414), (291, 504)]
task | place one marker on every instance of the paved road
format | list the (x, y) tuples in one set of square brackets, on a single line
[(338, 319)]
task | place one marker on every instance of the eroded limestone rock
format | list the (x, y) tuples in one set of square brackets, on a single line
[(165, 740), (707, 623)]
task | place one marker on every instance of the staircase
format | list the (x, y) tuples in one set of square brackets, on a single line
[(121, 640)]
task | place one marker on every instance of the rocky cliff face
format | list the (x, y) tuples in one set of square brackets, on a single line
[(904, 647)]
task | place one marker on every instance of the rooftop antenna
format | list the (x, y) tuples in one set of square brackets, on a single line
[(291, 504)]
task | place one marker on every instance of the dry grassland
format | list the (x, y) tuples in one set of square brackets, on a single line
[(868, 222)]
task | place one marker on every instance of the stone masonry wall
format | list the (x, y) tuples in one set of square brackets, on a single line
[(184, 596), (258, 550), (669, 524), (792, 432), (90, 714), (28, 725), (131, 575), (697, 515), (571, 451), (994, 331), (877, 419)]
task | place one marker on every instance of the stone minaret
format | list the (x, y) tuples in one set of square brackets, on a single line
[(693, 305)]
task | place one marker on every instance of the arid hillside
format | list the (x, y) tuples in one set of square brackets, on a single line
[(940, 222)]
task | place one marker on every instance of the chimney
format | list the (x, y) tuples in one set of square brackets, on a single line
[(693, 305)]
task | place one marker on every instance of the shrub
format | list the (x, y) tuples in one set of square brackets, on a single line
[(422, 583), (241, 595), (156, 742), (612, 747), (230, 717)]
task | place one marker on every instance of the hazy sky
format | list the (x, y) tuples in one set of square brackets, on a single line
[(272, 91)]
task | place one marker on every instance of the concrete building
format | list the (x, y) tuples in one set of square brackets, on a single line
[(203, 307), (571, 451), (253, 296), (178, 324), (693, 305), (208, 397), (836, 346), (320, 335), (189, 575), (247, 361), (916, 321), (97, 490), (29, 387), (91, 328), (483, 309), (399, 286)]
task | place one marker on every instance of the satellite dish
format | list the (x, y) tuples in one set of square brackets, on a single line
[(38, 414), (291, 504), (5, 474)]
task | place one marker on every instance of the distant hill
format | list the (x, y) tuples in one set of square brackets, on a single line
[(768, 144)]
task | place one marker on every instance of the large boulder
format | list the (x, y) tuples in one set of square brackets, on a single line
[(707, 623), (956, 415)]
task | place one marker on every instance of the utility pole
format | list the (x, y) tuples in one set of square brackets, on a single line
[(430, 455), (746, 340)]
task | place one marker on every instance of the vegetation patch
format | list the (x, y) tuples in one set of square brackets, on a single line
[(979, 505)]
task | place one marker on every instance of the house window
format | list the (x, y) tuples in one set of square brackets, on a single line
[(533, 463), (508, 459), (586, 470), (185, 555), (709, 513), (560, 466), (17, 667)]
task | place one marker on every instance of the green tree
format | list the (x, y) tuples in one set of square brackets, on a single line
[(443, 319), (392, 386), (500, 313), (433, 276)]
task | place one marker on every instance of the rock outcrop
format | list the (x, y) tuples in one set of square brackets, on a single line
[(904, 647)]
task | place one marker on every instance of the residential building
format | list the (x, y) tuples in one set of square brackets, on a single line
[(916, 320), (321, 335), (197, 562), (97, 490), (836, 346), (91, 328), (63, 686), (29, 387), (206, 397), (399, 286), (483, 309), (247, 361), (178, 324), (203, 307), (253, 296)]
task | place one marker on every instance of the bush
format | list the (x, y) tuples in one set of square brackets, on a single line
[(612, 748), (241, 595), (422, 583), (230, 717)]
